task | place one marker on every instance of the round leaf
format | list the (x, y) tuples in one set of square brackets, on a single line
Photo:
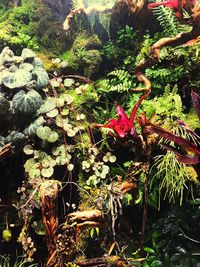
[(43, 132), (68, 82), (27, 103), (53, 113), (34, 173), (28, 150), (53, 137), (47, 172), (17, 79), (42, 77), (27, 53)]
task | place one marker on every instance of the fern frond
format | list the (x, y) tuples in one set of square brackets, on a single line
[(120, 81), (168, 20)]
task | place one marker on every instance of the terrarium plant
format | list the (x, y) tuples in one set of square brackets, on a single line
[(21, 80)]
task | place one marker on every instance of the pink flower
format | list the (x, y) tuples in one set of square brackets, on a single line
[(124, 126)]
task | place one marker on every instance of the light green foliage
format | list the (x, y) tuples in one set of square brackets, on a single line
[(120, 81), (165, 75), (17, 28), (172, 176), (168, 106)]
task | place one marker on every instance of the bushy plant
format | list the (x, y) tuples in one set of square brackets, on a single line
[(22, 78)]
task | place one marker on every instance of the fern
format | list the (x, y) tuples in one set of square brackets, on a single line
[(122, 80), (168, 20)]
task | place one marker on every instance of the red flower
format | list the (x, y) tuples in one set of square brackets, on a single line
[(123, 125)]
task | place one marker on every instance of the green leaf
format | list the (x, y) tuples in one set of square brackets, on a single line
[(29, 164), (53, 137), (42, 77), (28, 150), (2, 141), (65, 112), (26, 66), (38, 63), (92, 232), (39, 227), (31, 129), (4, 107), (53, 113), (18, 139), (34, 173), (17, 79), (43, 132), (156, 263), (145, 264), (28, 53), (149, 250), (48, 105), (47, 172), (68, 82), (27, 103)]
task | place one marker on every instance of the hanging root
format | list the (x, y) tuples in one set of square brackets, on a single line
[(49, 193)]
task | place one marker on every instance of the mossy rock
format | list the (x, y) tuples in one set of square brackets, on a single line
[(47, 57), (84, 57)]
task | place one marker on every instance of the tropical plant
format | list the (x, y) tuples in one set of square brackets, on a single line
[(21, 79)]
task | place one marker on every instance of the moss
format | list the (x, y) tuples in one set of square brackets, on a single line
[(47, 57), (84, 56), (86, 42)]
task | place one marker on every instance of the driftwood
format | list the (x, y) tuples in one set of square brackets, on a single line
[(89, 215), (180, 39), (6, 151), (114, 261)]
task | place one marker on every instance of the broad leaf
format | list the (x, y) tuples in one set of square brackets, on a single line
[(43, 132), (27, 103), (17, 79), (42, 77), (28, 53)]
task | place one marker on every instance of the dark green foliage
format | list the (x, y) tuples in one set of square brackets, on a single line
[(18, 108), (26, 103), (84, 56), (174, 241)]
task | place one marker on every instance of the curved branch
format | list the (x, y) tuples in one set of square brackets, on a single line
[(179, 39)]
